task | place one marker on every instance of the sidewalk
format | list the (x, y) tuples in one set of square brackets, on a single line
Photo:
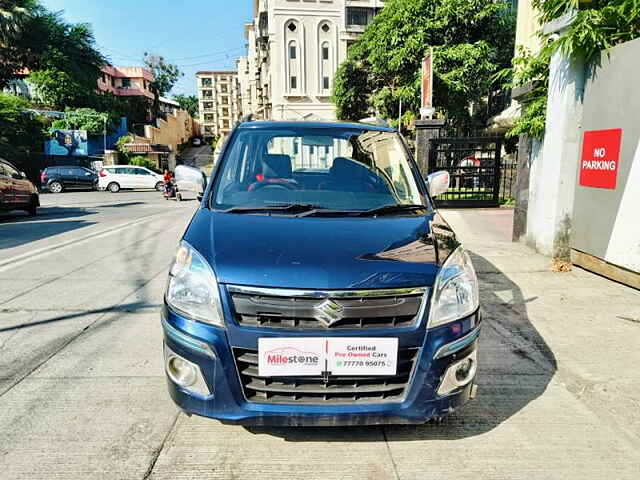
[(574, 339), (557, 399)]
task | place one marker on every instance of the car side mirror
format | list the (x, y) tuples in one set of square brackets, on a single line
[(200, 197), (438, 183)]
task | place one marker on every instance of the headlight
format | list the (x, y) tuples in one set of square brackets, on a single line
[(193, 289), (455, 293)]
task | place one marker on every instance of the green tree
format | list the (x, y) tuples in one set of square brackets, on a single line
[(83, 119), (20, 130), (188, 103), (597, 26), (68, 64), (472, 40), (14, 16), (166, 76)]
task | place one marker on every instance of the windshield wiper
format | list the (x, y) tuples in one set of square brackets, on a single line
[(394, 208), (279, 208)]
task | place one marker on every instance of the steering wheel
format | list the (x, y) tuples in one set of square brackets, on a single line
[(286, 185)]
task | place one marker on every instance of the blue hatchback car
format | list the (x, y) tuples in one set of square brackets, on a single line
[(318, 285)]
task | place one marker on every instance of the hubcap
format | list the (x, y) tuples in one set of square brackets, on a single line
[(56, 188)]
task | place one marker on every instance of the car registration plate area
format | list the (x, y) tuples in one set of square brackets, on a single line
[(318, 356)]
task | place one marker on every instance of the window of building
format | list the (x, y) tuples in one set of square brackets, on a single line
[(325, 52), (292, 51), (206, 82), (208, 105), (292, 27), (208, 117), (294, 82), (207, 93), (126, 83), (326, 84), (326, 28), (360, 16), (223, 88)]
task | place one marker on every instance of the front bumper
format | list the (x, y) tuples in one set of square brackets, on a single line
[(209, 348)]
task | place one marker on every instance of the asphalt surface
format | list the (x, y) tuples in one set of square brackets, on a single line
[(198, 156), (83, 393)]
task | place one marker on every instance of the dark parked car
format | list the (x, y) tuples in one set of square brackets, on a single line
[(16, 192), (57, 179)]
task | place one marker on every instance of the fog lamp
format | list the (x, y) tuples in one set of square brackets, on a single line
[(459, 374), (181, 372), (464, 369), (184, 373)]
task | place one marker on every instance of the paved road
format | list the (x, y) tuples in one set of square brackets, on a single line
[(82, 389), (198, 156)]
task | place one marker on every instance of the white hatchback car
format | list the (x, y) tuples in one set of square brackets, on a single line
[(117, 177)]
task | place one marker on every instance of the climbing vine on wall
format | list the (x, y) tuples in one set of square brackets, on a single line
[(598, 25)]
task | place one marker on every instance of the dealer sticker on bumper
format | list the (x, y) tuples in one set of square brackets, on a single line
[(278, 357)]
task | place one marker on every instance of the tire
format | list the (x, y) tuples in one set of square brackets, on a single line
[(160, 186), (32, 209), (113, 187), (55, 187)]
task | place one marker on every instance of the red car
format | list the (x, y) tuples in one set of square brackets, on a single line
[(16, 192)]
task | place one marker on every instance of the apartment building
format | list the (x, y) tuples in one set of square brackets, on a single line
[(294, 48), (219, 100), (126, 81)]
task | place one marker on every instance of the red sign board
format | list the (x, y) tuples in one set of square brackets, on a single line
[(600, 158)]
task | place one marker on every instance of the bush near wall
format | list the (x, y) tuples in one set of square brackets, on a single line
[(140, 161)]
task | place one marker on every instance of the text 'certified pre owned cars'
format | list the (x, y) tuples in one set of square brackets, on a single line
[(317, 285)]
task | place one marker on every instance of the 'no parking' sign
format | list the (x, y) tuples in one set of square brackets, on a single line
[(600, 158)]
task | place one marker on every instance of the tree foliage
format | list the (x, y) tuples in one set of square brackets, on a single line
[(597, 26), (67, 65), (20, 130), (83, 119), (166, 76), (188, 103), (13, 15), (472, 40)]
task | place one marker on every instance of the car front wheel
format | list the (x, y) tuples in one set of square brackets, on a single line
[(55, 187), (113, 187)]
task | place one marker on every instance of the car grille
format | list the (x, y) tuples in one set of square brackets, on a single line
[(315, 390), (308, 310)]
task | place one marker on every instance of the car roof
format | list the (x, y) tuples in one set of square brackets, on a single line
[(65, 166), (267, 124), (124, 166)]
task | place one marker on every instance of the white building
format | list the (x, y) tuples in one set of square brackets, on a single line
[(219, 102), (294, 49)]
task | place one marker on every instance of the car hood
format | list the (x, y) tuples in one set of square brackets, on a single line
[(317, 252)]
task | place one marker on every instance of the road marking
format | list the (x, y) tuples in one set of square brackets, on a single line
[(41, 252)]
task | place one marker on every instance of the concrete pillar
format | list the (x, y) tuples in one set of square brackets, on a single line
[(553, 172), (426, 130)]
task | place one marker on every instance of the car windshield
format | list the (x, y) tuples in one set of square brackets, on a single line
[(322, 168)]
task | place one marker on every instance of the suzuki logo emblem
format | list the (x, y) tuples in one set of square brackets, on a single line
[(328, 312)]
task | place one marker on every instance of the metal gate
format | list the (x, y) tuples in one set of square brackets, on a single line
[(473, 164)]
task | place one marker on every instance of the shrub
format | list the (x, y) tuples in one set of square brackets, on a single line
[(143, 162)]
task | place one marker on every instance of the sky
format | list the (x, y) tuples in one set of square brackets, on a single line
[(194, 34)]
